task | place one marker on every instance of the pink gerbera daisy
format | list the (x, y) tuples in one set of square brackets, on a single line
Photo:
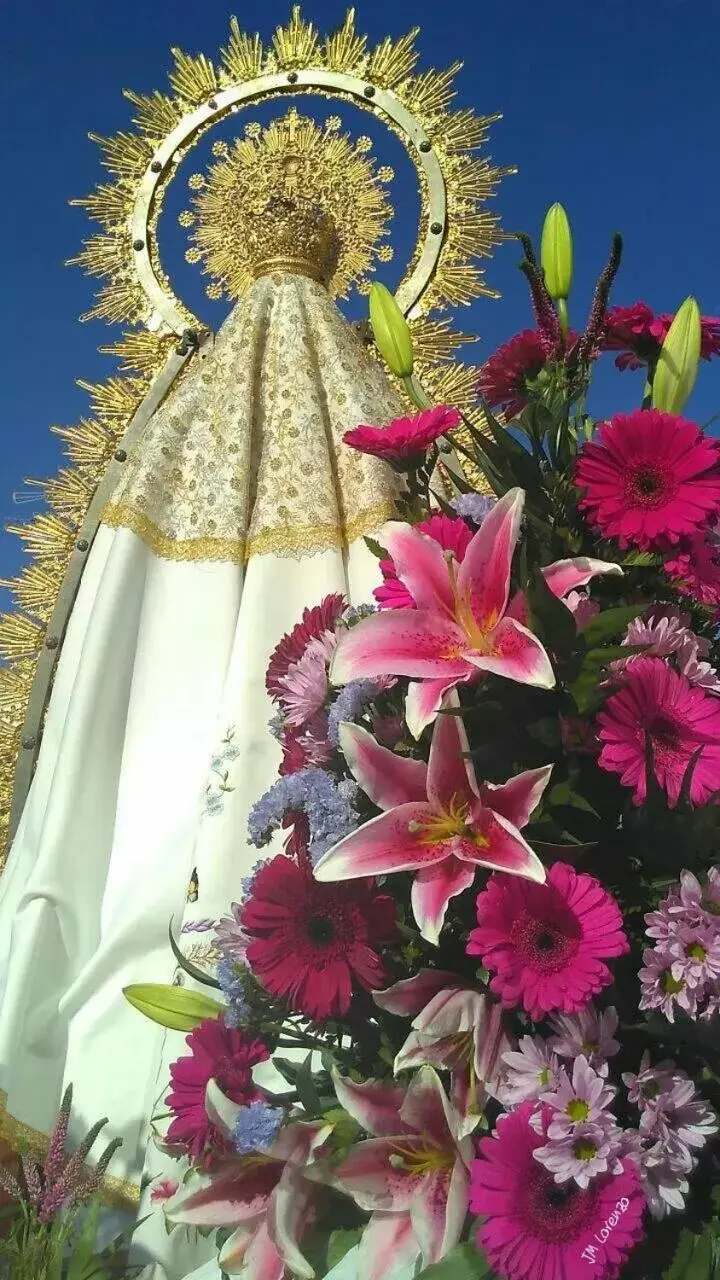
[(220, 1053), (658, 708), (695, 568), (404, 438), (310, 942), (505, 377), (451, 533), (537, 1230), (649, 478), (318, 623), (547, 943)]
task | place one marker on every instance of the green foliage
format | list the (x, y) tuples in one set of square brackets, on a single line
[(697, 1256), (340, 1243)]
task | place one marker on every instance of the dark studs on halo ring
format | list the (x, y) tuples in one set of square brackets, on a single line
[(156, 166), (138, 245), (120, 455), (369, 91), (436, 228), (425, 146), (292, 77)]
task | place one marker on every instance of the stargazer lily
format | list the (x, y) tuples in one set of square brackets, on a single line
[(456, 1029), (412, 1175), (438, 821), (461, 625), (264, 1196)]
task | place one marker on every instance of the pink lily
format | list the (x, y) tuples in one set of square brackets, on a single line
[(461, 626), (412, 1175), (455, 1028), (563, 578), (438, 821), (264, 1196)]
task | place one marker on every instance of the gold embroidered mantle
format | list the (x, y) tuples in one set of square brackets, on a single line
[(246, 455)]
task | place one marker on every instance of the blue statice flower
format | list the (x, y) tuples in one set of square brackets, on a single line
[(256, 1127), (358, 613), (473, 506), (248, 881), (348, 705), (237, 1012), (313, 792)]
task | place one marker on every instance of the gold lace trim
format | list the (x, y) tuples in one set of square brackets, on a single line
[(21, 1138), (297, 540)]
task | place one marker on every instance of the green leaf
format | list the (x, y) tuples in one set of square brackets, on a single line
[(375, 548), (552, 620), (464, 1262), (198, 974), (305, 1085), (82, 1255), (678, 1267), (340, 1243), (610, 623), (701, 1263), (641, 558)]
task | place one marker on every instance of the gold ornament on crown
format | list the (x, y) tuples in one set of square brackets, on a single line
[(292, 197), (456, 232)]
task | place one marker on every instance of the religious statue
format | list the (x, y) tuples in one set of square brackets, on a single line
[(209, 498)]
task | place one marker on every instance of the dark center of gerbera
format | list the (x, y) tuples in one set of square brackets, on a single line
[(547, 944), (320, 931), (233, 1077), (556, 1214), (647, 486)]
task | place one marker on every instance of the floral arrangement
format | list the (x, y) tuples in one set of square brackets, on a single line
[(487, 963)]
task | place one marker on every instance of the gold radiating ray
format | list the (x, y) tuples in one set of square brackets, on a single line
[(156, 114), (243, 56), (194, 77), (393, 60), (295, 45), (345, 49)]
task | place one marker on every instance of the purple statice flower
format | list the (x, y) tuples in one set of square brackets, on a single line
[(581, 1154), (660, 990), (349, 704), (256, 1127), (237, 1011), (579, 1100), (665, 633), (590, 1033), (276, 726), (473, 506), (529, 1070), (313, 792), (230, 939)]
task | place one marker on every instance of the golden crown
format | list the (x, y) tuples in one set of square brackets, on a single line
[(295, 197)]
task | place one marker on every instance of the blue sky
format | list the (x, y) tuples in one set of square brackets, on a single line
[(610, 106)]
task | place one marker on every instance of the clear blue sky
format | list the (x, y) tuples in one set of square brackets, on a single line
[(610, 106)]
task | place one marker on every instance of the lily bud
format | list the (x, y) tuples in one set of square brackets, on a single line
[(556, 253), (391, 332), (678, 361), (172, 1007)]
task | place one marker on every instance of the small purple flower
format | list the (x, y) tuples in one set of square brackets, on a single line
[(230, 939), (665, 634), (660, 990), (358, 613), (590, 1033), (665, 1167), (580, 1100), (582, 1154), (530, 1070), (473, 506), (237, 1012), (650, 1082), (256, 1127), (349, 704), (695, 955), (310, 791)]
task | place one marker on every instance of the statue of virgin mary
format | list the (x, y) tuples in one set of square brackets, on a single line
[(135, 705)]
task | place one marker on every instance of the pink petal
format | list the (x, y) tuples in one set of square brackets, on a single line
[(433, 887), (410, 995), (232, 1254), (414, 1053), (223, 1199), (420, 565), (262, 1260), (424, 698), (221, 1110), (388, 779), (568, 575), (297, 1143), (451, 1012), (483, 578), (450, 775), (517, 655), (375, 1104), (517, 798), (381, 846), (428, 1111), (505, 850), (388, 1247), (400, 642), (368, 1177), (287, 1216), (518, 608), (438, 1213)]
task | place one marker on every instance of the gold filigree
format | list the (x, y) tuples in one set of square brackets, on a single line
[(292, 194)]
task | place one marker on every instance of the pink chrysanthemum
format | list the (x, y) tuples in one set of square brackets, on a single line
[(547, 943), (504, 378), (451, 533), (305, 684), (318, 623), (217, 1052), (664, 633), (638, 334), (695, 569), (658, 708), (537, 1230), (649, 478), (311, 942), (405, 437)]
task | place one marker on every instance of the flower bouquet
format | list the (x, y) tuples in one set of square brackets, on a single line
[(487, 963)]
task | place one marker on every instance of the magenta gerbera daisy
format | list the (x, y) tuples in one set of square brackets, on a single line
[(217, 1052), (658, 708), (695, 568), (450, 532), (547, 943), (404, 437), (505, 377), (537, 1230), (638, 334), (318, 623), (311, 943), (649, 478)]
